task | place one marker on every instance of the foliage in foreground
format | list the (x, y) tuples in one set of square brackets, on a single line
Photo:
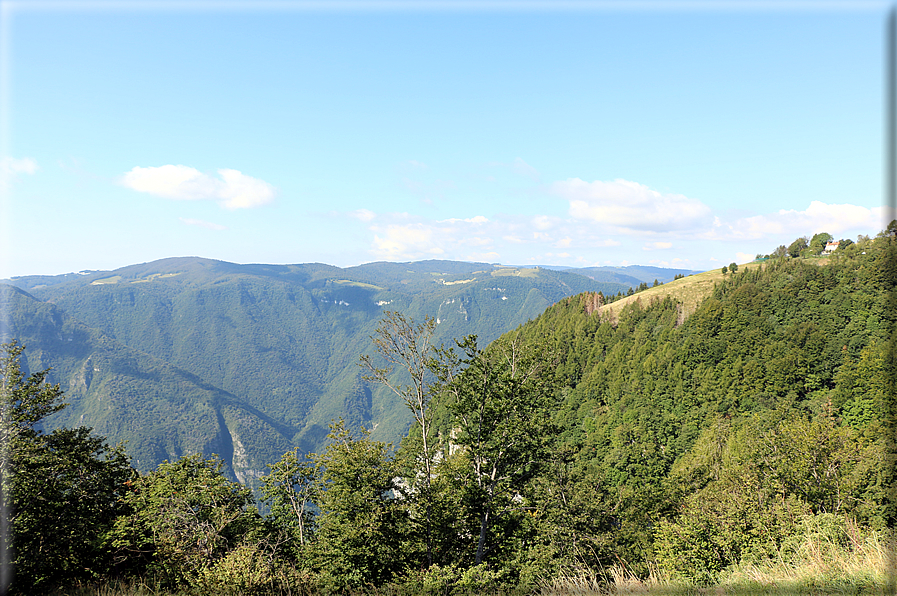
[(744, 448), (64, 487)]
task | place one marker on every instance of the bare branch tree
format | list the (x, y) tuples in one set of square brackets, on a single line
[(408, 347)]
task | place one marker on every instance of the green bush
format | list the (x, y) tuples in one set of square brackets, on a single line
[(185, 517)]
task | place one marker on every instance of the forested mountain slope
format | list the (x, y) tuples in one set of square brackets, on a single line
[(283, 341), (163, 412), (773, 391)]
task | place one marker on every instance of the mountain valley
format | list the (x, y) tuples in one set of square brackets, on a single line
[(190, 355)]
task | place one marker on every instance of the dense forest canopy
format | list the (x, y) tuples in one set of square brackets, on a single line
[(645, 441)]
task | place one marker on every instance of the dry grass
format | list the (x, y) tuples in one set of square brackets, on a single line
[(585, 584), (625, 582), (862, 564), (863, 567), (615, 581), (113, 588), (687, 291)]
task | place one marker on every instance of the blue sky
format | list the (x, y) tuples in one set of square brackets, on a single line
[(668, 134)]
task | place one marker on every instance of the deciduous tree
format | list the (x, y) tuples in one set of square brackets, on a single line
[(185, 517), (795, 248), (362, 524), (408, 347), (502, 402), (62, 489), (289, 490), (818, 242)]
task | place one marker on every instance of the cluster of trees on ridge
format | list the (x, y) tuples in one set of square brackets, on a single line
[(807, 246), (569, 445)]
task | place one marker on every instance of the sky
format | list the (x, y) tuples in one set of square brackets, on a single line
[(683, 135)]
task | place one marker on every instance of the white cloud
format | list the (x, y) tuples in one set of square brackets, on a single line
[(676, 263), (233, 190), (544, 222), (606, 242), (630, 205), (455, 238), (743, 257), (202, 224), (408, 241), (243, 191), (401, 237), (835, 219), (10, 167), (478, 219), (363, 214), (485, 257), (657, 246)]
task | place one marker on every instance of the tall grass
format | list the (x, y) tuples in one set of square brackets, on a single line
[(821, 561), (820, 564), (112, 588), (615, 580)]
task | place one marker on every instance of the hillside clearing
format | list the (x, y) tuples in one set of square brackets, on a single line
[(688, 291), (505, 271)]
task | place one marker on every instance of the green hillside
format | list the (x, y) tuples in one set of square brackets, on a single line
[(687, 292), (282, 340), (776, 377), (161, 411)]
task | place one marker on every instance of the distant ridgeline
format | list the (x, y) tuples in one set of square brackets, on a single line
[(188, 355)]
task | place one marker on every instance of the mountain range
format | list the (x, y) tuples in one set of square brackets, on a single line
[(188, 355)]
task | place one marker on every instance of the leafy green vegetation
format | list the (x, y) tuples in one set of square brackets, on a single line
[(62, 489), (743, 446)]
